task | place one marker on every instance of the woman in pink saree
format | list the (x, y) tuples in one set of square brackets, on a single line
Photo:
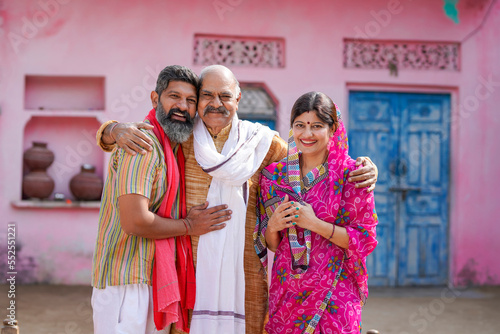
[(320, 226)]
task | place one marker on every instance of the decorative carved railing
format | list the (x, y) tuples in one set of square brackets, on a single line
[(373, 54), (239, 51)]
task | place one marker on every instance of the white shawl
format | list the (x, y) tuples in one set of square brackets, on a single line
[(220, 279)]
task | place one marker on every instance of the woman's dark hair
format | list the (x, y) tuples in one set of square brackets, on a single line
[(318, 102), (175, 73)]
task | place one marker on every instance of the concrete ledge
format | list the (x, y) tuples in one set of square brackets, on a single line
[(67, 204)]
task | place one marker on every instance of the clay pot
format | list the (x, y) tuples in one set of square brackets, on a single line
[(38, 157), (86, 185), (38, 184)]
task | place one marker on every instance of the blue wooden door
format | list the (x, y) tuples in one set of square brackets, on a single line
[(407, 136)]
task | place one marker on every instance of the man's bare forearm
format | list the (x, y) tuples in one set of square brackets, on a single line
[(136, 219), (153, 226)]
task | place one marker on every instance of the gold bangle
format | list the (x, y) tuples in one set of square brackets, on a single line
[(99, 134)]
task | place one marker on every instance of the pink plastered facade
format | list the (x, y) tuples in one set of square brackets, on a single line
[(68, 65)]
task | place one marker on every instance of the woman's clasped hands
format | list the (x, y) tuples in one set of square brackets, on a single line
[(291, 213)]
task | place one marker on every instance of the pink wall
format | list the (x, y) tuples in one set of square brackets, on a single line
[(128, 42)]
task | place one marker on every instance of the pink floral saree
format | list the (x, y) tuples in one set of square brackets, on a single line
[(316, 286)]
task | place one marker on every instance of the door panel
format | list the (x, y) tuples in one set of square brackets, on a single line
[(424, 143), (372, 126), (407, 136)]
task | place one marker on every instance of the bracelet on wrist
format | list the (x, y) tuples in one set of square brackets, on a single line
[(333, 230), (187, 223)]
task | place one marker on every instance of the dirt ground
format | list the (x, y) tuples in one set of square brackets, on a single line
[(44, 309)]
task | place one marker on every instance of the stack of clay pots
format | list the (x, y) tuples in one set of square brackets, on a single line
[(37, 183)]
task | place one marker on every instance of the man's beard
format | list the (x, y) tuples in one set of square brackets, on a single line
[(221, 110), (177, 131)]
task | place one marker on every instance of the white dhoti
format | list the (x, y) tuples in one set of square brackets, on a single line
[(220, 276), (124, 309)]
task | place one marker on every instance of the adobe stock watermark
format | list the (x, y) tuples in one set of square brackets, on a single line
[(74, 156), (222, 7), (426, 314), (85, 309), (84, 312), (469, 105), (122, 106), (32, 25), (381, 19)]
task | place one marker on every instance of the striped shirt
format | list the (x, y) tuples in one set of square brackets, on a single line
[(119, 258)]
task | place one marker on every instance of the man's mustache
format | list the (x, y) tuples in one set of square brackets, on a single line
[(220, 110), (177, 110)]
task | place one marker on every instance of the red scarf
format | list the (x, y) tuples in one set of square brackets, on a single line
[(184, 253)]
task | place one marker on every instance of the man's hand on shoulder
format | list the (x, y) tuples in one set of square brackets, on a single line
[(129, 137), (366, 176)]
